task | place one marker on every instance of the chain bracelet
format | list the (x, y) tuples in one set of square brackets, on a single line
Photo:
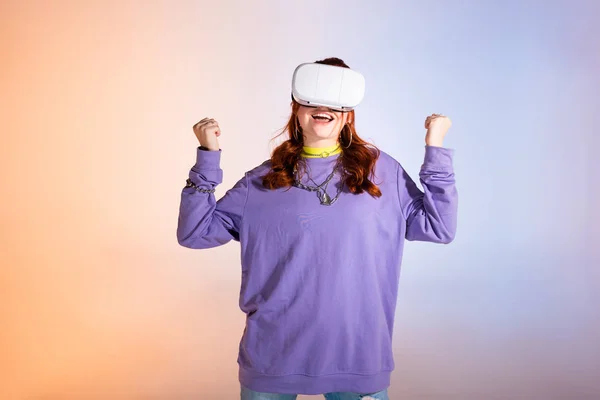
[(189, 183)]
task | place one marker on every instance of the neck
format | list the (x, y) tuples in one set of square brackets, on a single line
[(320, 143)]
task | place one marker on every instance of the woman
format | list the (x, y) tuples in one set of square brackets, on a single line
[(321, 226)]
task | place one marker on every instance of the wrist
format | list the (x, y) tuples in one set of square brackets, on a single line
[(207, 148)]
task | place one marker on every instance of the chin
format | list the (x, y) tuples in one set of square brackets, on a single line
[(319, 136), (323, 132)]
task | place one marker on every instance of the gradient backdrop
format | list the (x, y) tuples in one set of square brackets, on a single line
[(97, 105)]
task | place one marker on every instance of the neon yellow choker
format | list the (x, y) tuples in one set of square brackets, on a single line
[(321, 152)]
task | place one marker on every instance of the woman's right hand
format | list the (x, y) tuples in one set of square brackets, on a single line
[(207, 131)]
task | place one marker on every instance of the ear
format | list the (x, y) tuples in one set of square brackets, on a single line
[(349, 118)]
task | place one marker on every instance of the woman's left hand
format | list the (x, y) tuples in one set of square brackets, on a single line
[(437, 125)]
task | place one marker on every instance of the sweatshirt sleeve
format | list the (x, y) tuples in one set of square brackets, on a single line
[(203, 222), (431, 214)]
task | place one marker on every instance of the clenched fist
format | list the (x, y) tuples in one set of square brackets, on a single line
[(207, 131), (437, 125)]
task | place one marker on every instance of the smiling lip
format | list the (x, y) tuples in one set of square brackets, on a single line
[(322, 117)]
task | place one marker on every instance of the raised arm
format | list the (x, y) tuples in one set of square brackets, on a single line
[(203, 222), (430, 214)]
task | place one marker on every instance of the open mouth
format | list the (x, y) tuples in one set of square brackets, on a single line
[(322, 117)]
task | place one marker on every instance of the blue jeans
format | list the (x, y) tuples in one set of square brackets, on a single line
[(248, 394)]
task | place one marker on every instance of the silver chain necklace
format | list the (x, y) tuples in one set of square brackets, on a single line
[(324, 198)]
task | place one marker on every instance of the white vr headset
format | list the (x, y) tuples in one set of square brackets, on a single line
[(338, 88)]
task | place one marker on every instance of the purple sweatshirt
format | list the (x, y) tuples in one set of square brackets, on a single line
[(319, 283)]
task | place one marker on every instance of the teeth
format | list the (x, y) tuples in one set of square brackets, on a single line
[(324, 116)]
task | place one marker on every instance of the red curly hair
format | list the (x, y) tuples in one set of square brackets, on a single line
[(358, 160)]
